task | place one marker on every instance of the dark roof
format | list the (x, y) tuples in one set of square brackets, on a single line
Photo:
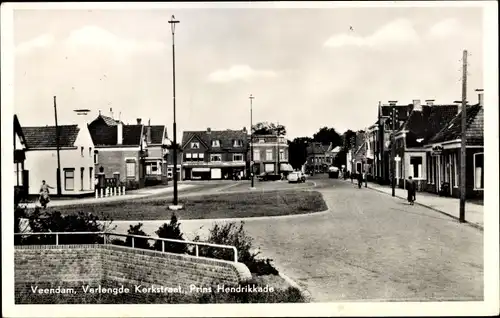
[(423, 125), (317, 148), (108, 120), (474, 129), (157, 132), (103, 135), (44, 137), (18, 129), (402, 114), (226, 138)]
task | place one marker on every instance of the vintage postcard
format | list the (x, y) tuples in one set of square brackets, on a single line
[(250, 159)]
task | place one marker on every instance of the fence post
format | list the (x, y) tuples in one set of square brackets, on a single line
[(163, 246), (123, 190), (114, 191), (133, 245), (57, 239), (119, 190), (100, 191), (197, 251), (96, 193)]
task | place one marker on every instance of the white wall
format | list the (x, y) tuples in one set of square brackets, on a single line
[(42, 165), (423, 169)]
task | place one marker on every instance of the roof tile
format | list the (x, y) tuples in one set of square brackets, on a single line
[(44, 137)]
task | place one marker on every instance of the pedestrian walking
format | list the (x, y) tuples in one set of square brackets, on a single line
[(360, 179), (411, 188), (44, 194)]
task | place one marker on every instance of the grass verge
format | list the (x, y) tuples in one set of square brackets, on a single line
[(234, 205)]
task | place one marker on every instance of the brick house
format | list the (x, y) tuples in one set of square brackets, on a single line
[(382, 151), (214, 154), (319, 157), (265, 154), (76, 151), (156, 160), (21, 177), (444, 154), (424, 121), (120, 150)]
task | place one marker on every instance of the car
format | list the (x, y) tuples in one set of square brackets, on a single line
[(296, 176), (333, 172), (268, 176)]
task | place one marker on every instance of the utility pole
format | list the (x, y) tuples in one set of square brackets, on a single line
[(58, 179), (463, 138), (278, 150), (252, 170), (173, 22), (393, 148)]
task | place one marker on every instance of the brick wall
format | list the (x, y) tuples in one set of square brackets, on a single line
[(114, 161), (71, 266)]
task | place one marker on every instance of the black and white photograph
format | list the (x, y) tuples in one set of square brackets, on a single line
[(250, 159)]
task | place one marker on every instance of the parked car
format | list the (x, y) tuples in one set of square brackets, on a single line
[(296, 176), (268, 176), (333, 172)]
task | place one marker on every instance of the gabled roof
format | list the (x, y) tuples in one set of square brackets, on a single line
[(474, 129), (103, 135), (424, 124), (18, 130), (225, 137), (318, 148), (108, 120), (45, 137), (158, 133)]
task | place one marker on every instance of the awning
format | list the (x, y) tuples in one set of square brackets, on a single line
[(285, 167)]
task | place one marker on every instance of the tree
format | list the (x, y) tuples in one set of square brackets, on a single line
[(347, 137), (297, 150), (328, 135), (265, 128), (171, 230)]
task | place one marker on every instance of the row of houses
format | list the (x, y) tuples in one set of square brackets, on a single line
[(320, 156), (107, 151), (427, 147)]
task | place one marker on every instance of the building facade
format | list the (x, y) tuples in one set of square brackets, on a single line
[(21, 175), (270, 154), (319, 157), (156, 170), (214, 154), (76, 151)]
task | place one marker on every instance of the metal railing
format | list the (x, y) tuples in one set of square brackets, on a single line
[(106, 240)]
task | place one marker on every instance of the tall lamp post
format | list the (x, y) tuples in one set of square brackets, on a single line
[(252, 170), (175, 205)]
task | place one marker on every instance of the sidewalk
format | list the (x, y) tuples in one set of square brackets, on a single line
[(130, 195), (448, 206)]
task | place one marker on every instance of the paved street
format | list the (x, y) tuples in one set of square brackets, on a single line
[(368, 246)]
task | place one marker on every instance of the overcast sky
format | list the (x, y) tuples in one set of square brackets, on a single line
[(305, 67)]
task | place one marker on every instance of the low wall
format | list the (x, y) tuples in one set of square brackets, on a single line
[(74, 266)]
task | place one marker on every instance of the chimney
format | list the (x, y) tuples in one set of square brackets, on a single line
[(148, 134), (209, 130), (111, 113), (480, 96), (429, 102), (139, 120), (244, 129), (416, 105), (119, 133)]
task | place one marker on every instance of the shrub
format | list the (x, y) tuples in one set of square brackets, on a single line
[(138, 242), (171, 231), (231, 234)]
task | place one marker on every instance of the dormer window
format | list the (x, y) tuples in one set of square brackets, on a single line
[(237, 143), (195, 145), (216, 143)]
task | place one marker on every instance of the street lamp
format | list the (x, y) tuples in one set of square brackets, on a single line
[(175, 205), (251, 97)]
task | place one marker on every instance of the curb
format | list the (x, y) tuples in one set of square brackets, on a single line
[(474, 225)]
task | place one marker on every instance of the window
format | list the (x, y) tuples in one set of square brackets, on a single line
[(256, 155), (215, 143), (82, 171), (195, 145), (201, 156), (269, 154), (69, 179), (91, 177), (416, 167), (90, 152), (237, 157), (130, 169), (81, 151), (18, 174), (479, 171), (188, 156), (215, 157), (262, 141), (96, 157), (282, 154), (237, 143), (195, 156), (152, 168)]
